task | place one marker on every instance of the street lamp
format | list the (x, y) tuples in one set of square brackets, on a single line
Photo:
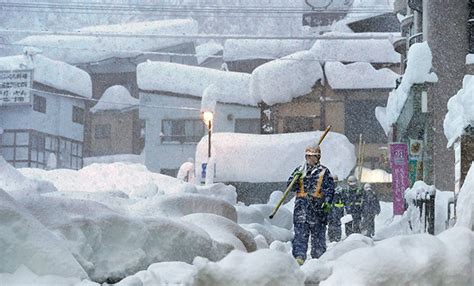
[(207, 117)]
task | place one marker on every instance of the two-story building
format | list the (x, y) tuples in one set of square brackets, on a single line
[(42, 105), (170, 105)]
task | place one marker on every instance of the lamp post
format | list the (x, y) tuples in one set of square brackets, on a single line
[(207, 117)]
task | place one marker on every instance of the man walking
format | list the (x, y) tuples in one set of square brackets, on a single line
[(370, 208), (337, 212), (314, 194), (354, 197)]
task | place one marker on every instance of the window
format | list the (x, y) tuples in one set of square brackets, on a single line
[(39, 103), (251, 126), (78, 115), (102, 131), (182, 130), (299, 124), (360, 119)]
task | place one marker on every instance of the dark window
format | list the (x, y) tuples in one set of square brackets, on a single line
[(251, 126), (78, 115), (299, 124), (182, 130), (102, 131), (169, 172), (39, 103), (360, 119)]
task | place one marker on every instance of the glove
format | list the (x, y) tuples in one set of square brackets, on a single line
[(326, 207), (297, 173)]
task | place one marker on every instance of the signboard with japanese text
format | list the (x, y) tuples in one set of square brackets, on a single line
[(400, 182), (15, 87)]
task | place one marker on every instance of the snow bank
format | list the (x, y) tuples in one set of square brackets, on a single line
[(86, 49), (283, 79), (418, 71), (465, 202), (247, 157), (124, 158), (164, 273), (116, 97), (247, 49), (24, 276), (262, 267), (355, 50), (207, 50), (57, 74), (183, 79), (358, 76), (460, 111)]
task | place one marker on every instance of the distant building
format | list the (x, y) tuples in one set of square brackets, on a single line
[(170, 102), (112, 61), (42, 106)]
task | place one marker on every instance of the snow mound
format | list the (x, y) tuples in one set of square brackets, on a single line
[(24, 276), (25, 241), (221, 191), (465, 204), (163, 273), (183, 204), (354, 241), (262, 267), (116, 97), (223, 230)]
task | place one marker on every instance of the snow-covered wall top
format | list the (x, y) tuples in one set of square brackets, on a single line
[(356, 50), (283, 79), (358, 76), (116, 97), (206, 50), (52, 73), (460, 111), (182, 79), (86, 49), (419, 63), (272, 158), (236, 49)]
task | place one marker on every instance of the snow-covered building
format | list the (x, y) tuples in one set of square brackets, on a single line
[(112, 60), (170, 104), (42, 111)]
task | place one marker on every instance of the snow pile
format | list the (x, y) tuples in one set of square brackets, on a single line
[(417, 71), (24, 276), (233, 87), (358, 76), (77, 49), (465, 202), (283, 79), (124, 158), (116, 97), (207, 50), (247, 49), (355, 50), (57, 74), (248, 157), (460, 111)]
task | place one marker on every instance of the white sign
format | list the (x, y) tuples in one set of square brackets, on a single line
[(15, 87)]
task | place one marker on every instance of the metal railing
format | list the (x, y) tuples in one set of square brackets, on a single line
[(416, 38)]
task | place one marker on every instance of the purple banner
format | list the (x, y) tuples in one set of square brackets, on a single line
[(400, 182)]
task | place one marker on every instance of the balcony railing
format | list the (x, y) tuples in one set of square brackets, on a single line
[(416, 38)]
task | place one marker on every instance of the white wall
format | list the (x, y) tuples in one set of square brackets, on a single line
[(56, 121), (172, 155)]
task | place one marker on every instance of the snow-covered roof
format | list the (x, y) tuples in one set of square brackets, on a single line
[(56, 74), (233, 87), (358, 76), (283, 79), (85, 49), (272, 158), (460, 111), (116, 97), (419, 63), (247, 49), (355, 50), (206, 50)]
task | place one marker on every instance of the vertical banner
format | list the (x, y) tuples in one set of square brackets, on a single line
[(400, 182)]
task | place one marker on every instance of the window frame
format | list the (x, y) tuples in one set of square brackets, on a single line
[(182, 137), (78, 115)]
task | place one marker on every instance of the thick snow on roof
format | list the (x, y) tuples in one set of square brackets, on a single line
[(283, 79), (116, 97), (206, 50), (247, 49), (417, 71), (233, 87), (272, 158), (86, 49), (56, 74), (460, 111), (355, 50), (358, 76)]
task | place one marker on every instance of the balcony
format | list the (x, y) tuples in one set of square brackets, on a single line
[(400, 45), (416, 38)]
